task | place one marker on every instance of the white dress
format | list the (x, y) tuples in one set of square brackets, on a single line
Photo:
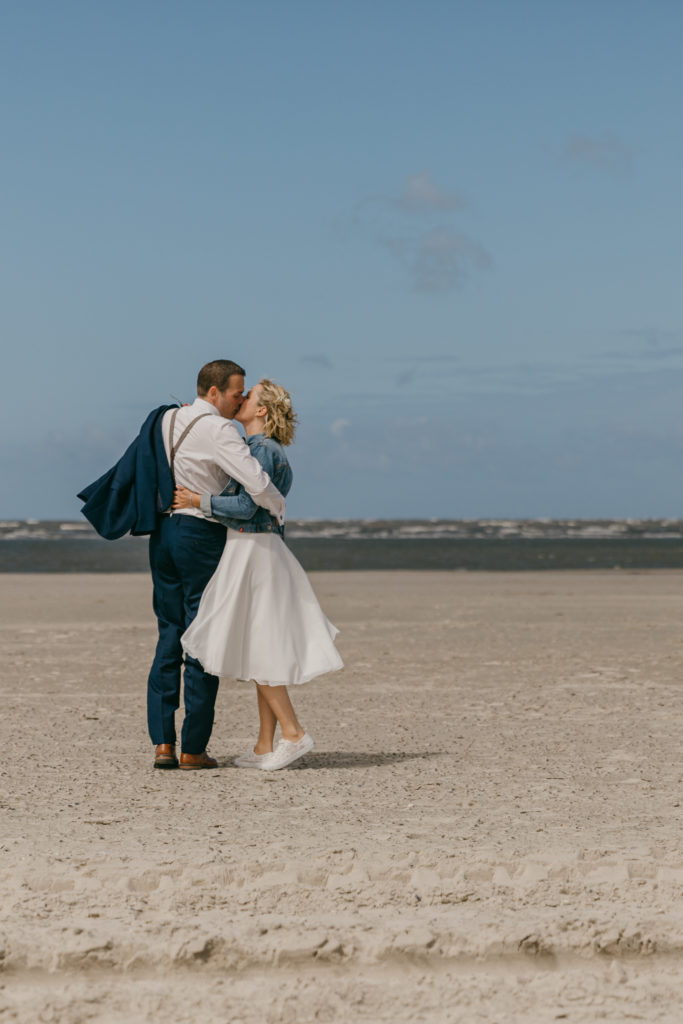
[(259, 618)]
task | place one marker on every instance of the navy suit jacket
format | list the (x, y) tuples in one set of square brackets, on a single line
[(130, 496)]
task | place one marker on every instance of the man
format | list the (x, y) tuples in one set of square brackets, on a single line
[(204, 450)]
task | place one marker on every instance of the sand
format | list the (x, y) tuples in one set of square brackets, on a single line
[(489, 828)]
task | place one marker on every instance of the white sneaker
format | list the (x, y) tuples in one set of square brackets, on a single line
[(251, 760), (286, 753)]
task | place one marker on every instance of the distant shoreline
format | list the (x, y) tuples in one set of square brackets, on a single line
[(403, 529), (129, 555)]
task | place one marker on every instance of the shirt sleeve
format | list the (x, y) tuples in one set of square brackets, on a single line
[(233, 456)]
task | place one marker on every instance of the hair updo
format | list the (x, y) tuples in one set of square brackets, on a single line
[(281, 420)]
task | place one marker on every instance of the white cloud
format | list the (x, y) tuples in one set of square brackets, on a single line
[(439, 258), (421, 195), (339, 426)]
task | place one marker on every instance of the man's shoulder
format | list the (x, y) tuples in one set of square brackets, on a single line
[(223, 428)]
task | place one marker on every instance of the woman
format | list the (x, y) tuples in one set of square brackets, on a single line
[(258, 617)]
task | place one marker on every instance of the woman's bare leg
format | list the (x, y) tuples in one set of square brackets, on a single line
[(279, 704), (267, 723)]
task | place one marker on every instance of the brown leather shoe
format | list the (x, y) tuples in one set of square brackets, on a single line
[(191, 762), (164, 756)]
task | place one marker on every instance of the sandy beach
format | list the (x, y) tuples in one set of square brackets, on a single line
[(489, 829)]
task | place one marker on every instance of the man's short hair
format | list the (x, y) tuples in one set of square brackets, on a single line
[(218, 373)]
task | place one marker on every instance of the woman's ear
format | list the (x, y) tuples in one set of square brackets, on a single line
[(262, 410)]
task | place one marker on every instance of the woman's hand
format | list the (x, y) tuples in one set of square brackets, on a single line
[(185, 499)]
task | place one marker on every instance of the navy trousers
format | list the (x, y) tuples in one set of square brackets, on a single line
[(183, 554)]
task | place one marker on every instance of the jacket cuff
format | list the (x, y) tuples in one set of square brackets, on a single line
[(205, 504)]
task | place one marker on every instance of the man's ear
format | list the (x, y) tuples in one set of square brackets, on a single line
[(211, 393)]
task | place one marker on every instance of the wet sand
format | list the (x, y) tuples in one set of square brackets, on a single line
[(489, 828)]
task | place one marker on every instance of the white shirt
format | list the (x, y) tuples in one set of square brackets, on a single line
[(212, 453)]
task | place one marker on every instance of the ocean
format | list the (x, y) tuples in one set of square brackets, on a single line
[(32, 545)]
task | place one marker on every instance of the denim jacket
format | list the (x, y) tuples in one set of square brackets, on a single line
[(235, 508)]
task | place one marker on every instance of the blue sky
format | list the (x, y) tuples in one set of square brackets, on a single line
[(452, 229)]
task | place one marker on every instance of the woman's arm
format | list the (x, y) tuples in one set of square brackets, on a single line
[(234, 506)]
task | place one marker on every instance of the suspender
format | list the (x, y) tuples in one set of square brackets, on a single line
[(174, 447)]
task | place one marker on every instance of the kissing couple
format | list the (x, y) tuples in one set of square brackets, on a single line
[(229, 596)]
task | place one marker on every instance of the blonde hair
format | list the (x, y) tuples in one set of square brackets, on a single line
[(281, 419)]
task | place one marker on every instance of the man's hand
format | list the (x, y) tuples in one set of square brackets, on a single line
[(183, 498)]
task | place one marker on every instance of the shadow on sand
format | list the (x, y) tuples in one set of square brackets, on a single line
[(348, 759)]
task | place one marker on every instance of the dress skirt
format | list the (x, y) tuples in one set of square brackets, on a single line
[(259, 618)]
